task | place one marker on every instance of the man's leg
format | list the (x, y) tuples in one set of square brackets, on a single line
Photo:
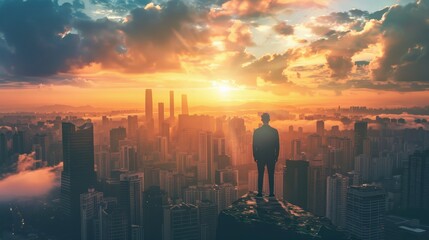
[(261, 169), (271, 165)]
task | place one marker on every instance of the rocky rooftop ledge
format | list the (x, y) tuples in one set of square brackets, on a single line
[(268, 218)]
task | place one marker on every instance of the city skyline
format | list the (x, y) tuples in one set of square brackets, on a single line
[(155, 119), (222, 53)]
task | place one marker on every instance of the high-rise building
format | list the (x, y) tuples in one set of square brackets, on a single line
[(296, 149), (148, 105), (296, 182), (102, 161), (171, 104), (130, 198), (360, 133), (153, 201), (227, 175), (206, 166), (18, 142), (181, 222), (78, 171), (137, 232), (366, 206), (112, 222), (127, 155), (161, 148), (415, 182), (320, 128), (314, 144), (43, 142), (133, 125), (3, 148), (336, 199), (160, 118), (363, 167), (185, 110), (116, 134), (208, 219), (316, 187), (89, 203)]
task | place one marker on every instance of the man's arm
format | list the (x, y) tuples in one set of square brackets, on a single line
[(254, 146), (277, 145)]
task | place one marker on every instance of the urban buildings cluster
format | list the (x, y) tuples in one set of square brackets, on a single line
[(156, 177)]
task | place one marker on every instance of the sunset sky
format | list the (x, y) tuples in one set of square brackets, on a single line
[(219, 52)]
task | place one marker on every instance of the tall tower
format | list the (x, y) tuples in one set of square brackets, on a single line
[(149, 105), (336, 198), (131, 186), (116, 134), (132, 127), (320, 128), (415, 182), (185, 110), (171, 104), (208, 218), (89, 203), (366, 206), (296, 149), (360, 131), (296, 182), (160, 117), (78, 171), (206, 168), (153, 200)]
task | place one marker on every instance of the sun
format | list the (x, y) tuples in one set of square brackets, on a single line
[(224, 87)]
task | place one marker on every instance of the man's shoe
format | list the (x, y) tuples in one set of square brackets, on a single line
[(259, 195)]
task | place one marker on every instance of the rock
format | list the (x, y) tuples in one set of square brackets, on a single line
[(269, 218)]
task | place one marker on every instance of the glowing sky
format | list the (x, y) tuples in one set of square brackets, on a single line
[(296, 52)]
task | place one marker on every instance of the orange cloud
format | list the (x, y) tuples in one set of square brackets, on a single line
[(254, 8)]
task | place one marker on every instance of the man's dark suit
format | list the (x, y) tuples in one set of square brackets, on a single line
[(266, 152)]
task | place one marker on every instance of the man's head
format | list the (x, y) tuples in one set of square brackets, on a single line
[(265, 118)]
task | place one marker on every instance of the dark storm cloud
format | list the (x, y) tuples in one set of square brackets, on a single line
[(40, 37), (34, 32), (405, 41)]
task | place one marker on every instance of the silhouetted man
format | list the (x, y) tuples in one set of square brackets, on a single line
[(266, 152)]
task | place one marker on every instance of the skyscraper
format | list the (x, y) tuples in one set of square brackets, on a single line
[(336, 199), (132, 127), (366, 206), (149, 105), (78, 170), (415, 182), (181, 222), (320, 128), (296, 182), (153, 200), (111, 223), (3, 148), (296, 149), (185, 110), (171, 104), (116, 134), (208, 218), (89, 203), (130, 198), (160, 118), (206, 168), (360, 132), (316, 187)]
